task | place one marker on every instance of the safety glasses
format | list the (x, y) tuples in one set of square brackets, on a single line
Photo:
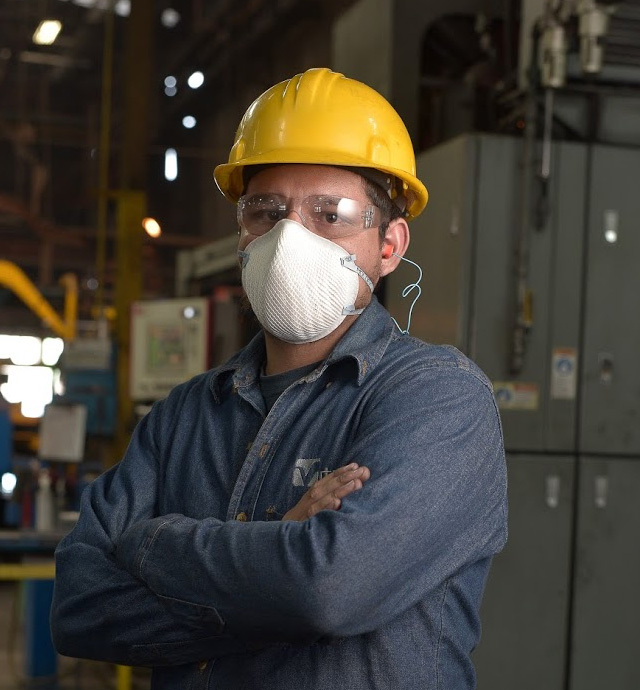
[(330, 216)]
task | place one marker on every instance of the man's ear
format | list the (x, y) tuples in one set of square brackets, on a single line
[(396, 241)]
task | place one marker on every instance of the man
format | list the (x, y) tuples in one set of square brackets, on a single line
[(321, 511)]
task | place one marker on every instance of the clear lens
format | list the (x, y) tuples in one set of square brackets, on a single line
[(257, 214), (329, 216)]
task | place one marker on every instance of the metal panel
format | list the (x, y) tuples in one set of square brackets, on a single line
[(563, 309), (497, 225), (555, 252), (611, 411), (440, 242), (525, 608), (606, 605), (465, 243)]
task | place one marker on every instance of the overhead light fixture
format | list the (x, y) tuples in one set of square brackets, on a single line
[(169, 18), (196, 80), (122, 8), (47, 32), (152, 227), (170, 164), (189, 122)]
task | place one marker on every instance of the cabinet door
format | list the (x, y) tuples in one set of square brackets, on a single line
[(525, 608), (606, 609), (611, 394)]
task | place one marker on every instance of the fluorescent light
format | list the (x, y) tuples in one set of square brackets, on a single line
[(196, 80), (27, 350), (52, 348), (189, 122), (170, 164), (47, 32)]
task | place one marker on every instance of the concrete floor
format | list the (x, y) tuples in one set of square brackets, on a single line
[(73, 674)]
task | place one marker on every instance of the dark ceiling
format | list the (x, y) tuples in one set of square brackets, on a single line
[(50, 116)]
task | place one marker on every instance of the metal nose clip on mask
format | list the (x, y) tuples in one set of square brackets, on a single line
[(301, 286)]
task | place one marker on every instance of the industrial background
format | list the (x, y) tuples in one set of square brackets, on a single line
[(525, 115)]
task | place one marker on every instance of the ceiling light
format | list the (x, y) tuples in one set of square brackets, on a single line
[(188, 121), (47, 32), (170, 81), (170, 164), (170, 90), (196, 80), (152, 227), (122, 8), (169, 18)]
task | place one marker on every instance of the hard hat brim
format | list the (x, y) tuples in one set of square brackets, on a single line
[(229, 178)]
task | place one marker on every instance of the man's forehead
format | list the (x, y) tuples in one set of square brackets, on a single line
[(305, 177)]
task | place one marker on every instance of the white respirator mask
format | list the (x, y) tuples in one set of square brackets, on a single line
[(301, 286)]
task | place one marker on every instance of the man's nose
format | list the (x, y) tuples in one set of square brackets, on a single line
[(295, 215)]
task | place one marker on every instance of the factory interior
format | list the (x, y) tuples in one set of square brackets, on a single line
[(119, 275)]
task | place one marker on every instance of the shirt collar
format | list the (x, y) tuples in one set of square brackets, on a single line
[(365, 342)]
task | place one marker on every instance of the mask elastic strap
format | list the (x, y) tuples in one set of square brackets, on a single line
[(410, 288), (244, 257), (350, 263)]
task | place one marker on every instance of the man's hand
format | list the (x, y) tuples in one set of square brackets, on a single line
[(327, 493)]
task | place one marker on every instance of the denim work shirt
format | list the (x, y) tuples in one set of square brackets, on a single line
[(181, 562)]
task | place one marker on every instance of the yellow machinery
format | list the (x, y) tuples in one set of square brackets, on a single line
[(16, 280)]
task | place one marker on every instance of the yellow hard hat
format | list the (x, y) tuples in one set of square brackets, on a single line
[(322, 117)]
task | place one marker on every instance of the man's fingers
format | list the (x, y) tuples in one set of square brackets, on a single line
[(327, 502), (348, 488)]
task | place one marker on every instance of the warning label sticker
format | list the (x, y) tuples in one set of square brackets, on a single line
[(564, 373), (514, 395)]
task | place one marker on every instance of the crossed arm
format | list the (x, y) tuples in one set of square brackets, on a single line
[(128, 623), (204, 588)]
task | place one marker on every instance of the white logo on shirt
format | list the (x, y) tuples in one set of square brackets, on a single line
[(307, 471)]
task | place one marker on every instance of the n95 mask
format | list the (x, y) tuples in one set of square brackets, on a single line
[(301, 286)]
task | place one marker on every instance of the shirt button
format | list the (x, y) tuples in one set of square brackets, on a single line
[(241, 517)]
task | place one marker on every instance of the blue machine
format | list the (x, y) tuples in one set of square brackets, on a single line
[(89, 376)]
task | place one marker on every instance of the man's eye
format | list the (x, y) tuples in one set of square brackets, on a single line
[(331, 217), (274, 215)]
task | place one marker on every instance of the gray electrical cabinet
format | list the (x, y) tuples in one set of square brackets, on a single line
[(465, 242), (563, 598), (610, 421), (524, 643), (605, 642)]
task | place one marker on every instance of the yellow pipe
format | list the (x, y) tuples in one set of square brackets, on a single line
[(15, 279), (70, 283), (27, 571), (124, 677)]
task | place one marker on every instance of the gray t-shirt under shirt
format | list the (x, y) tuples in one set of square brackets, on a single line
[(272, 386)]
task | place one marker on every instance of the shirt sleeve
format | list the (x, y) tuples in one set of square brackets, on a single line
[(435, 503), (99, 610)]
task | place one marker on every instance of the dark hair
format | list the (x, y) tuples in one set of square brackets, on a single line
[(378, 197)]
